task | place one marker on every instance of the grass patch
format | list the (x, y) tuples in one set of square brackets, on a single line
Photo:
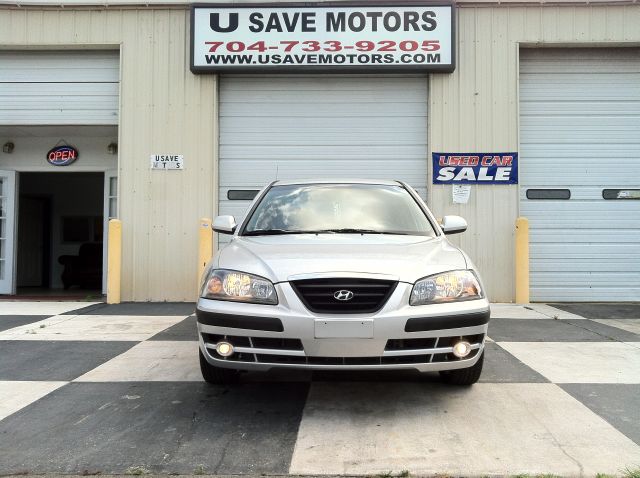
[(136, 471), (404, 474), (199, 470), (631, 472)]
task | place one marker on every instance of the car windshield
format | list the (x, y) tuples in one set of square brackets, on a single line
[(338, 208)]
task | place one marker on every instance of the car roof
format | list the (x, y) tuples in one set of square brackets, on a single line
[(384, 182)]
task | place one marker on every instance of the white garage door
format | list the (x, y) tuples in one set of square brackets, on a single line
[(580, 172), (59, 87), (292, 127)]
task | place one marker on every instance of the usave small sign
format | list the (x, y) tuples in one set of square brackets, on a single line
[(62, 155), (167, 161)]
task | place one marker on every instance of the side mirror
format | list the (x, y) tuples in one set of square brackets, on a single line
[(453, 225), (224, 224)]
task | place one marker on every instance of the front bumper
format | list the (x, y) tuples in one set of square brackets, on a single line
[(398, 336)]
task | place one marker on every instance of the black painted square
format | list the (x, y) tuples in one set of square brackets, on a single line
[(617, 403), (502, 367), (55, 359), (184, 330), (138, 308), (10, 321), (164, 427)]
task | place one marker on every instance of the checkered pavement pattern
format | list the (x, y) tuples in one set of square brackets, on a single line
[(96, 388)]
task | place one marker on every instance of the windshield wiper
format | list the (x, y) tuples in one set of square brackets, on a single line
[(347, 230), (272, 232)]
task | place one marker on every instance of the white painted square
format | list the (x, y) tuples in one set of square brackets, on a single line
[(155, 361), (93, 327), (40, 308), (514, 311), (433, 429), (554, 313), (580, 362), (16, 395)]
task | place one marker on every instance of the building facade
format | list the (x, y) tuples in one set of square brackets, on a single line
[(557, 83)]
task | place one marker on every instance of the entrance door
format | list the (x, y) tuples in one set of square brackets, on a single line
[(7, 230), (110, 212), (33, 260)]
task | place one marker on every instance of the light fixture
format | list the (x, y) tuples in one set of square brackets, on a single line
[(462, 349), (112, 148), (224, 349), (8, 147)]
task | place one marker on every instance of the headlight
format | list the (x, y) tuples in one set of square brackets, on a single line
[(232, 285), (451, 286)]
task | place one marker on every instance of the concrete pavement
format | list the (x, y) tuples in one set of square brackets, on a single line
[(90, 388)]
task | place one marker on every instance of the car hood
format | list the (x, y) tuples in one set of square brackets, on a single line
[(283, 257)]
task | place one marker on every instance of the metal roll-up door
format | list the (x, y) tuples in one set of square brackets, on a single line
[(580, 172), (59, 87), (330, 126)]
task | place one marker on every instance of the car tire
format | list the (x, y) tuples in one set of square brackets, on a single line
[(464, 376), (217, 375)]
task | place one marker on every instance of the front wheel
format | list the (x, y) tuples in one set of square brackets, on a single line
[(464, 376), (216, 375)]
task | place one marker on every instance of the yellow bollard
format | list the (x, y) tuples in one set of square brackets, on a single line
[(114, 261), (522, 260), (205, 245)]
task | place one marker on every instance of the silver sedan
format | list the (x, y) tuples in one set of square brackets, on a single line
[(339, 275)]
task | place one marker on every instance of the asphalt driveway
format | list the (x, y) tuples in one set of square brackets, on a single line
[(91, 388)]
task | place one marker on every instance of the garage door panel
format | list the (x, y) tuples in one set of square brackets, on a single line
[(586, 193), (543, 149), (330, 126), (555, 86), (354, 96), (340, 125), (585, 250), (546, 107), (325, 110), (588, 265), (330, 83), (320, 138), (354, 152), (42, 66), (571, 235), (580, 130), (59, 88), (314, 167), (601, 293), (579, 60)]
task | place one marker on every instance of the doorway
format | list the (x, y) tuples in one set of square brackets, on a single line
[(60, 231)]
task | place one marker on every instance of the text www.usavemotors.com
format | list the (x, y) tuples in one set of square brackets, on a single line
[(339, 59)]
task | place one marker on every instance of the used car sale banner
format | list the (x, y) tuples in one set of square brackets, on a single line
[(475, 168), (319, 38)]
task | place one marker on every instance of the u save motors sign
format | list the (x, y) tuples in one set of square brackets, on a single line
[(318, 38)]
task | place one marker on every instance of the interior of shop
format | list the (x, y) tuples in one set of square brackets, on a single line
[(60, 234)]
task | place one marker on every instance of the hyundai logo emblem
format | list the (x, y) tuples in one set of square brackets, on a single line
[(343, 295)]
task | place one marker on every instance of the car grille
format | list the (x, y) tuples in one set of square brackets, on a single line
[(291, 351), (369, 295)]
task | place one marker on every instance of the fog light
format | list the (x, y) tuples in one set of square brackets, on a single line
[(461, 349), (224, 349)]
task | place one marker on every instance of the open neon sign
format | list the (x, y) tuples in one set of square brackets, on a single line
[(62, 155)]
